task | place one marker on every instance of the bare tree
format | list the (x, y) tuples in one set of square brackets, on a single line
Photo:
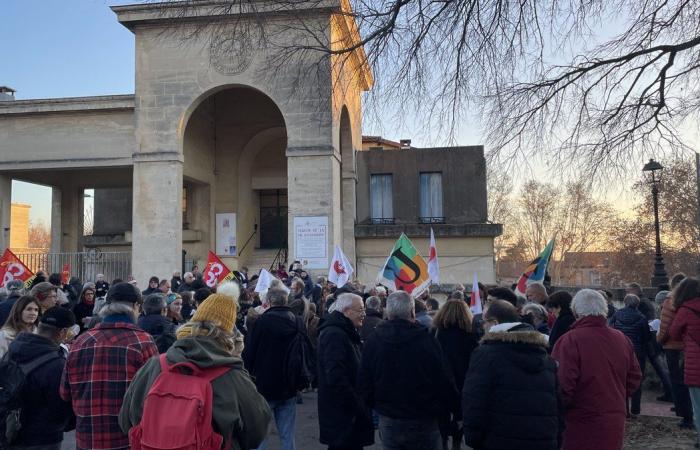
[(39, 235)]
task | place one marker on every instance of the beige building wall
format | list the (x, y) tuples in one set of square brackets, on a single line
[(459, 258), (19, 226)]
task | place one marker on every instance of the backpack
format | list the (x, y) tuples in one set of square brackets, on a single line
[(13, 377), (190, 396), (299, 364)]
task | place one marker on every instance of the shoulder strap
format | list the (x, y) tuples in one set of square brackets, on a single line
[(40, 361), (209, 374)]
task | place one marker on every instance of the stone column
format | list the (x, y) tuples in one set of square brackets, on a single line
[(5, 211), (156, 247), (71, 225), (56, 226)]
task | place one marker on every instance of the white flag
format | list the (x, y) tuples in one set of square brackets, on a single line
[(264, 280), (475, 301), (340, 271), (433, 267)]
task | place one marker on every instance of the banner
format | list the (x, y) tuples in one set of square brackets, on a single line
[(11, 268), (535, 271), (475, 303), (405, 269), (433, 266), (215, 271), (340, 271)]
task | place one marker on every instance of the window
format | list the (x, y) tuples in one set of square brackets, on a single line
[(431, 197), (381, 201)]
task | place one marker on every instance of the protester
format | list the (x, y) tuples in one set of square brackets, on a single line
[(598, 371), (422, 316), (239, 412), (501, 293), (175, 281), (61, 297), (454, 332), (86, 304), (186, 285), (44, 415), (674, 357), (174, 311), (374, 317), (632, 324), (433, 306), (686, 328), (101, 364), (536, 293), (152, 288), (155, 322), (187, 304), (45, 294), (101, 286), (509, 399), (15, 289), (23, 318), (538, 317), (164, 286), (344, 421), (404, 377), (265, 353), (559, 303)]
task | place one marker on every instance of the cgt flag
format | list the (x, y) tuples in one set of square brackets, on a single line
[(433, 266), (12, 268), (340, 271), (405, 269), (216, 271), (65, 273), (535, 271)]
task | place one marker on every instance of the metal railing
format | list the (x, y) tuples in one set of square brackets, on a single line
[(431, 219), (280, 257), (382, 220), (84, 265)]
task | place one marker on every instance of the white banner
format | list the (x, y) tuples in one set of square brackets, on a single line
[(311, 241), (226, 234)]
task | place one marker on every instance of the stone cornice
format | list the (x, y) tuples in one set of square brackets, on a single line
[(68, 104)]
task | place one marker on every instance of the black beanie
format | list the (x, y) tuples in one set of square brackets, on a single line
[(58, 317), (123, 293)]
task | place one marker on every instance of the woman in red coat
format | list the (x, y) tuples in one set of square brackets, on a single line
[(598, 370), (686, 328)]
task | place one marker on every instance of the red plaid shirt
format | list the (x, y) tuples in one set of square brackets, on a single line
[(101, 364)]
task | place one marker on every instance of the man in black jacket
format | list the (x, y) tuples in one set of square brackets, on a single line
[(264, 356), (344, 421), (45, 416), (510, 396), (404, 377), (15, 289), (156, 324)]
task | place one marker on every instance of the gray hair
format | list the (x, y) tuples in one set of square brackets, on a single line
[(537, 310), (276, 297), (153, 304), (374, 303), (400, 305), (380, 290), (588, 302), (188, 275), (118, 308), (343, 302), (632, 300)]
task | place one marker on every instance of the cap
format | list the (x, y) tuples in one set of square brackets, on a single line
[(58, 317), (14, 285), (123, 293)]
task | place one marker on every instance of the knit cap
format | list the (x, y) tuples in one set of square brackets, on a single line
[(219, 308)]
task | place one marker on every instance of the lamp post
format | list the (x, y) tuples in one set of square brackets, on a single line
[(660, 277)]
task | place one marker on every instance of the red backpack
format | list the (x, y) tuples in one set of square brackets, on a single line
[(177, 413)]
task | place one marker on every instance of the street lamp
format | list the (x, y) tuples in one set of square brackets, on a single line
[(660, 277)]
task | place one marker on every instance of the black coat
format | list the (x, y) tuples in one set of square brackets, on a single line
[(343, 419), (404, 375), (265, 350), (6, 306), (372, 320), (457, 346), (561, 326), (634, 325), (44, 415), (160, 328), (81, 311), (510, 397)]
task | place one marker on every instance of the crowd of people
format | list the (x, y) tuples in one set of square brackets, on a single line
[(545, 371)]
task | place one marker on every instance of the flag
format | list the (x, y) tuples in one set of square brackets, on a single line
[(340, 271), (65, 273), (535, 271), (433, 266), (405, 269), (475, 303), (263, 282), (215, 271), (12, 268)]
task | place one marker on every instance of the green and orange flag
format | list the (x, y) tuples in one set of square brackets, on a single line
[(405, 269)]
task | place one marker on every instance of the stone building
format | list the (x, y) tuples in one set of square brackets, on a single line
[(218, 149)]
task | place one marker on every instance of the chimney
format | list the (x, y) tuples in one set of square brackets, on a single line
[(405, 144), (7, 94)]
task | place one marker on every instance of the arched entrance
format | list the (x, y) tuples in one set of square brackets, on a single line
[(234, 148)]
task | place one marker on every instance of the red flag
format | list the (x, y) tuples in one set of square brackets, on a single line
[(215, 271), (65, 273), (12, 268)]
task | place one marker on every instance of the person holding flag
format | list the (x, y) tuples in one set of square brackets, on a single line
[(216, 272), (12, 268), (405, 269), (535, 272)]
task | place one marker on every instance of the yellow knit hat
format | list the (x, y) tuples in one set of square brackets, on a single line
[(220, 309)]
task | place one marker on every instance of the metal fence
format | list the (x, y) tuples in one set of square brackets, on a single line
[(84, 265)]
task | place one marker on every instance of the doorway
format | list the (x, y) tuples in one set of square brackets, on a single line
[(273, 218)]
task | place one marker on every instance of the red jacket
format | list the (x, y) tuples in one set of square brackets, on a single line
[(686, 328), (597, 372)]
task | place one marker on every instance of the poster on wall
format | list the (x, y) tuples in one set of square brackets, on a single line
[(311, 241), (226, 234)]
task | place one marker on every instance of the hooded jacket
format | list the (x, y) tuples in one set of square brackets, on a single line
[(510, 397), (45, 416), (634, 325), (404, 375), (686, 328), (343, 419), (265, 351), (239, 412), (160, 328)]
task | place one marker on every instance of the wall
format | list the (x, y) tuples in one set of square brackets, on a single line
[(19, 226), (112, 211)]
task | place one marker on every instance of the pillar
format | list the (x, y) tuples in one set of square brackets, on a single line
[(71, 223), (56, 229), (156, 247), (5, 211)]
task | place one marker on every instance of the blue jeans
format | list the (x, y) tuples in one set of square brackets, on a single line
[(285, 412), (409, 434), (695, 400)]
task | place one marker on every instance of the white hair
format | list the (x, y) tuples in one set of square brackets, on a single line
[(536, 309), (588, 302), (400, 305), (343, 302)]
